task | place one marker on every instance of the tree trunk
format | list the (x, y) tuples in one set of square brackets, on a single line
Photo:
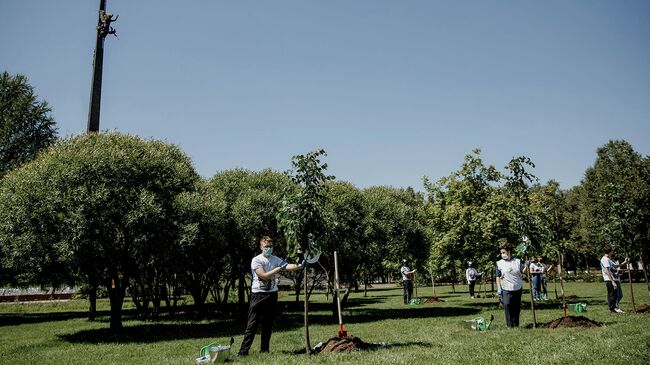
[(92, 298), (453, 278), (532, 301), (629, 275), (365, 288), (116, 290), (307, 344), (560, 265), (241, 295), (433, 283)]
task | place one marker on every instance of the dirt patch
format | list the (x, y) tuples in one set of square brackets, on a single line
[(345, 344), (572, 321), (432, 300), (643, 309)]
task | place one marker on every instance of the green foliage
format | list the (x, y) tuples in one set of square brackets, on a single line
[(465, 215), (26, 126), (301, 216), (615, 197), (94, 209)]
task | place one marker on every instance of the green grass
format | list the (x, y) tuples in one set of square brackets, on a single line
[(58, 333)]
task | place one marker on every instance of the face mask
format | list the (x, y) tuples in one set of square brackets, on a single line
[(267, 251), (504, 256)]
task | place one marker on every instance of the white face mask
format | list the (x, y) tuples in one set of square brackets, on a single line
[(504, 256)]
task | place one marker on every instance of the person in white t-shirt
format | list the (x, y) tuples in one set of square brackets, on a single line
[(407, 280), (608, 269), (471, 274), (509, 282), (264, 268)]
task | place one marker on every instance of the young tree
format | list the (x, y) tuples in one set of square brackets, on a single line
[(302, 215), (26, 124)]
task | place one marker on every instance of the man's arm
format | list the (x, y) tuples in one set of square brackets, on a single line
[(268, 275)]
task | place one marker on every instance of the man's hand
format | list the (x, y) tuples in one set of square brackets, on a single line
[(500, 292), (614, 285)]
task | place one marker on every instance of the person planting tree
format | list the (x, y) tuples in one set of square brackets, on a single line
[(407, 275), (264, 298), (471, 274), (509, 283)]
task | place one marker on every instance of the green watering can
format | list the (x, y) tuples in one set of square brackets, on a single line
[(580, 307)]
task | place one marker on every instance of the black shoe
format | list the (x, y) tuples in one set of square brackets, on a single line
[(242, 353)]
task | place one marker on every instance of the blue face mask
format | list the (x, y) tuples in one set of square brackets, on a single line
[(267, 251)]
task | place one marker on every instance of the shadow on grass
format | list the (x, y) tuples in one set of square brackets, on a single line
[(17, 319), (149, 333), (373, 347), (366, 315)]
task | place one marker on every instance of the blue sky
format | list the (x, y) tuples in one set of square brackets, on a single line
[(393, 90)]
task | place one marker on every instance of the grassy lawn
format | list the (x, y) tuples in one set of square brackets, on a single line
[(58, 333)]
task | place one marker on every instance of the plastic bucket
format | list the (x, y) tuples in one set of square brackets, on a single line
[(216, 353), (579, 307)]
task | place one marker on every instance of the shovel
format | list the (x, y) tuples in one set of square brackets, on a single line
[(342, 333)]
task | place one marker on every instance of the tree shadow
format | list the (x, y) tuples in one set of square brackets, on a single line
[(149, 333), (18, 319), (373, 347)]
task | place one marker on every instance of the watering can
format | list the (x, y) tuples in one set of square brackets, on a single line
[(214, 353), (580, 307)]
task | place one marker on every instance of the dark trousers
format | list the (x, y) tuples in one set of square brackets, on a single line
[(611, 296), (261, 309), (408, 291), (472, 284), (512, 307)]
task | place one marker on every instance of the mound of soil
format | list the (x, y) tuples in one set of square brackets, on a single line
[(432, 300), (572, 321), (345, 344), (643, 309)]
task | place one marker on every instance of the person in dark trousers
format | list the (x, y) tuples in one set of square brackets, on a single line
[(264, 268), (509, 282), (608, 269), (471, 274), (407, 275)]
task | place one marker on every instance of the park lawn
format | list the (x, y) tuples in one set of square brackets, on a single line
[(58, 333)]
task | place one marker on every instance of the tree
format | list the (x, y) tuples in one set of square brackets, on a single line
[(252, 199), (302, 216), (615, 200), (461, 223), (99, 207), (26, 125)]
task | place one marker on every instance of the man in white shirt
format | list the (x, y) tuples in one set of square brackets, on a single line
[(407, 274), (508, 274), (264, 268), (608, 269)]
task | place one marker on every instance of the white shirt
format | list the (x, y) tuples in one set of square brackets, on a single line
[(403, 271), (267, 263), (509, 273), (606, 262), (471, 274)]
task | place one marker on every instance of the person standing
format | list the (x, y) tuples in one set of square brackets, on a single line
[(471, 274), (264, 268), (509, 282), (608, 270), (407, 280), (536, 270), (543, 279), (617, 278)]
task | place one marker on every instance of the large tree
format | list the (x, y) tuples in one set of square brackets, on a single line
[(97, 209), (26, 123), (615, 200)]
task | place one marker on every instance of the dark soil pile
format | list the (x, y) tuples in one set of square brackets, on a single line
[(432, 300), (572, 321), (345, 344), (643, 309)]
